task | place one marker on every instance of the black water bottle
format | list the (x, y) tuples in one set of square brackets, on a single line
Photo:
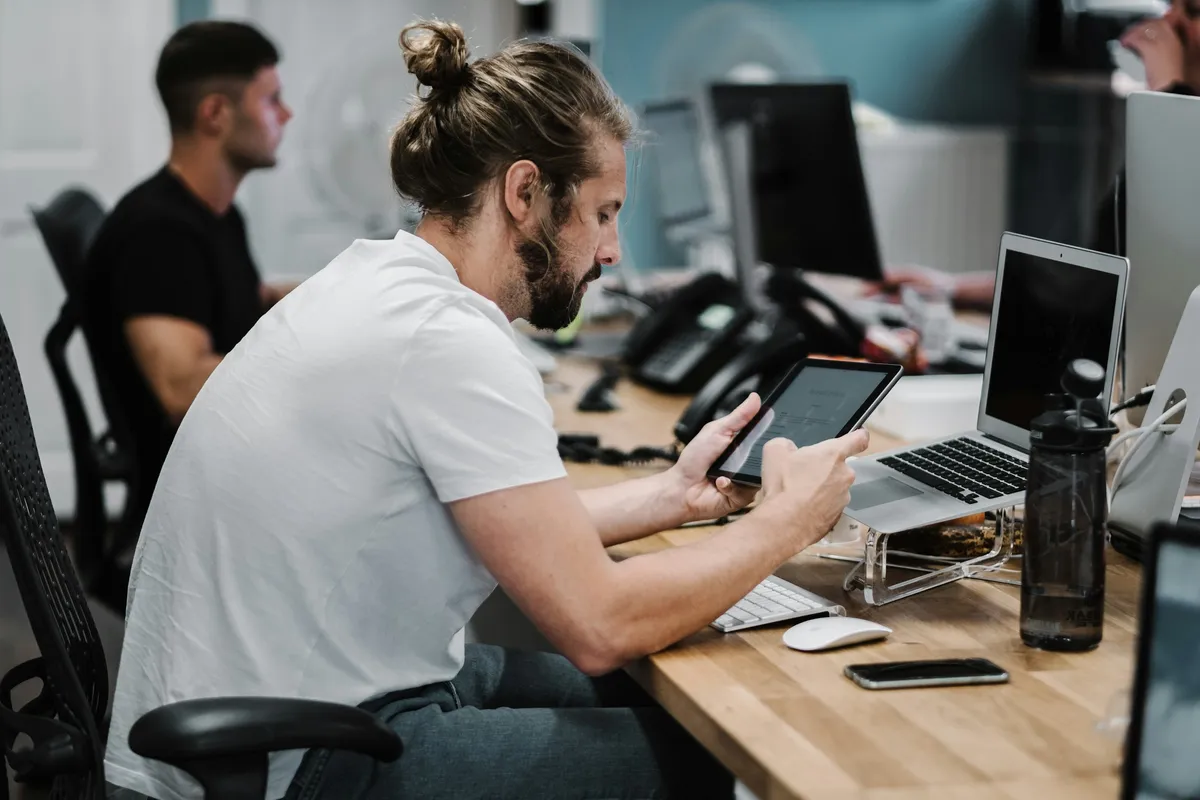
[(1066, 516)]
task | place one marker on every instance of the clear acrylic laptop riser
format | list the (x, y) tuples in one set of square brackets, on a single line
[(882, 556)]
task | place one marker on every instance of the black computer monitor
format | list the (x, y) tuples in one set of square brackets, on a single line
[(810, 196), (682, 186), (1163, 739)]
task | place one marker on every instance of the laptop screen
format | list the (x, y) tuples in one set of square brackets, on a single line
[(1169, 705), (1050, 313)]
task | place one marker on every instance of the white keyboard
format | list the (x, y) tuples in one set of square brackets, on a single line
[(775, 600)]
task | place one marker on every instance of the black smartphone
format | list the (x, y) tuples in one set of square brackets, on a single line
[(937, 672)]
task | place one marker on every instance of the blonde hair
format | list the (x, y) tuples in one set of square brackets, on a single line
[(536, 100)]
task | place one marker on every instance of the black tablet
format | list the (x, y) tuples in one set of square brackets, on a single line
[(818, 399), (1163, 739)]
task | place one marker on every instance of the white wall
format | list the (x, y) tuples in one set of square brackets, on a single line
[(575, 19), (77, 105), (939, 195)]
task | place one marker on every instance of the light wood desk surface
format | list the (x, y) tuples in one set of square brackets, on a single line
[(789, 725)]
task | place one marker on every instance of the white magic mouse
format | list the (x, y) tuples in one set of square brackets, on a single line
[(824, 633)]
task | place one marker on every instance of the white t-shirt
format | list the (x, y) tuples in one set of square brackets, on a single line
[(298, 543)]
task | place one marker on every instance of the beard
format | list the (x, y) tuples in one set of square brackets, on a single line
[(248, 159), (555, 297), (244, 163), (246, 149)]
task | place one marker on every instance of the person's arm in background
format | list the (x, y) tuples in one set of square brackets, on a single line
[(971, 290), (272, 293), (1161, 48), (176, 357), (162, 294)]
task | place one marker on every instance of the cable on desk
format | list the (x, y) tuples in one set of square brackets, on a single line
[(598, 395), (732, 516), (583, 448), (649, 302)]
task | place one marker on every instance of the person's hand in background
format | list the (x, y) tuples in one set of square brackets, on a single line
[(969, 290), (1161, 48)]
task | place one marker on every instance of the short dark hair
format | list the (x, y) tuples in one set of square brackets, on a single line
[(202, 53)]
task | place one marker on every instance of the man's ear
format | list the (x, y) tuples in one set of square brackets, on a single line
[(520, 190), (213, 113)]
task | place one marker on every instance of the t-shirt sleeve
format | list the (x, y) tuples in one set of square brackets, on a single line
[(472, 409), (161, 269)]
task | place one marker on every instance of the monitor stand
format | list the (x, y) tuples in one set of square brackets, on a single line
[(1158, 474)]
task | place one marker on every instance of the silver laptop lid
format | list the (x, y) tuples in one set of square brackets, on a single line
[(1053, 304)]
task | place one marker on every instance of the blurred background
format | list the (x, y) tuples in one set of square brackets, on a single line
[(973, 117), (936, 126)]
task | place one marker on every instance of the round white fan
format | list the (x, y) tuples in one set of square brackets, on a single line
[(354, 107), (733, 42)]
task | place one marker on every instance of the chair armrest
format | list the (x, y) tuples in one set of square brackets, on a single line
[(221, 727)]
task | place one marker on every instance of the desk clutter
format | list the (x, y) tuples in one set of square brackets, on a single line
[(1000, 475)]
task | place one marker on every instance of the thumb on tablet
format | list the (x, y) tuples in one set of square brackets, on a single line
[(741, 454)]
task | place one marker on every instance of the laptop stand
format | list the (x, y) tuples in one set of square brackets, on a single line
[(870, 574)]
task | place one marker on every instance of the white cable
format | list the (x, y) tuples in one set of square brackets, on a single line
[(1129, 434), (1153, 427)]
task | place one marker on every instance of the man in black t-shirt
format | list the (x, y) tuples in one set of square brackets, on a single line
[(171, 284)]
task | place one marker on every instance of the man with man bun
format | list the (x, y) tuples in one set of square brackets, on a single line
[(377, 455)]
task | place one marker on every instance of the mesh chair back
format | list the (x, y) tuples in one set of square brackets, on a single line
[(72, 667)]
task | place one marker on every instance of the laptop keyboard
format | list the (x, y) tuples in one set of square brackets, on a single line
[(962, 468)]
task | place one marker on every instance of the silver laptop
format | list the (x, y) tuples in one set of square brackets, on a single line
[(1053, 304)]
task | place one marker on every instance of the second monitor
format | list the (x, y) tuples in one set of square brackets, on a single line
[(810, 196)]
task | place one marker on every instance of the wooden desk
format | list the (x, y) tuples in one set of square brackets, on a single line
[(789, 725)]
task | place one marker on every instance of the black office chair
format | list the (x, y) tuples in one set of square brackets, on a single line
[(222, 742), (67, 225)]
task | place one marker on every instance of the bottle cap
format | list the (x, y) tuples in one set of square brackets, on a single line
[(1076, 420)]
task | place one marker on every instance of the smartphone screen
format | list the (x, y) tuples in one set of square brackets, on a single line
[(940, 672)]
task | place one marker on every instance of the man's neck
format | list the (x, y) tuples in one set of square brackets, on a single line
[(473, 257), (205, 173)]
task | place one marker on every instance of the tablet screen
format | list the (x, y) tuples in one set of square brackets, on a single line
[(819, 403)]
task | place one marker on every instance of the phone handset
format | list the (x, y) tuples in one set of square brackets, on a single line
[(792, 293), (764, 362)]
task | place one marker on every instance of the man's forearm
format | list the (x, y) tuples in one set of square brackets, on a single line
[(633, 509), (177, 398)]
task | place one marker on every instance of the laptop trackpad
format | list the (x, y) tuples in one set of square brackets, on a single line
[(878, 492)]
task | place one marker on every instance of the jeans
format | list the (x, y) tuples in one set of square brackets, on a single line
[(517, 724)]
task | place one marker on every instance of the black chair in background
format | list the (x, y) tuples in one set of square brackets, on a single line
[(222, 742), (67, 225)]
